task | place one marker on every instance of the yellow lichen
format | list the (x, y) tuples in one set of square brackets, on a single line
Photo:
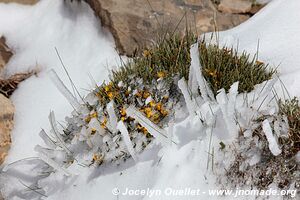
[(146, 53), (90, 116), (123, 111), (104, 122), (110, 95), (93, 131), (164, 112), (155, 118), (158, 106), (152, 103), (146, 94), (161, 74), (97, 158), (148, 112), (138, 94)]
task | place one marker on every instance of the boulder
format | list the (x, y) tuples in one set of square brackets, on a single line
[(135, 23), (5, 54), (235, 6), (6, 125)]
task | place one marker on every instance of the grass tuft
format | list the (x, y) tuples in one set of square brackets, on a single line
[(291, 109), (170, 57)]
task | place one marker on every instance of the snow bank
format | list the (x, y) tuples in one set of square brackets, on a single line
[(274, 30), (34, 32)]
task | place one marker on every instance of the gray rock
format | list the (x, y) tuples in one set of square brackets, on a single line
[(135, 23), (235, 6)]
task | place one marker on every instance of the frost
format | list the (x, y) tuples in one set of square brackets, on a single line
[(227, 105), (148, 100), (233, 92), (187, 97), (254, 158), (206, 93), (46, 138), (170, 132), (63, 89), (112, 116), (122, 128), (53, 164), (91, 99), (273, 145), (192, 82), (94, 124), (157, 132), (57, 134)]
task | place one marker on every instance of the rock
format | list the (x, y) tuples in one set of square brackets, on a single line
[(135, 23), (235, 6), (9, 85), (6, 125), (193, 2), (255, 8), (5, 54), (27, 2)]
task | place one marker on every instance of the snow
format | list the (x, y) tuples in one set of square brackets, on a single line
[(196, 66), (158, 133), (87, 49), (274, 32), (273, 145), (187, 97), (63, 89), (34, 32), (227, 104), (122, 128), (112, 116)]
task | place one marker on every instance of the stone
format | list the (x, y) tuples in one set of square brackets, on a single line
[(193, 2), (134, 24), (235, 6), (26, 2), (6, 124), (255, 8), (5, 54), (9, 85)]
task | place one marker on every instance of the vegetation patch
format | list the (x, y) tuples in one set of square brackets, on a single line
[(266, 168), (149, 83), (169, 59)]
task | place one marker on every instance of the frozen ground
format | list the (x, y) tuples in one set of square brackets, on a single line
[(85, 48)]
